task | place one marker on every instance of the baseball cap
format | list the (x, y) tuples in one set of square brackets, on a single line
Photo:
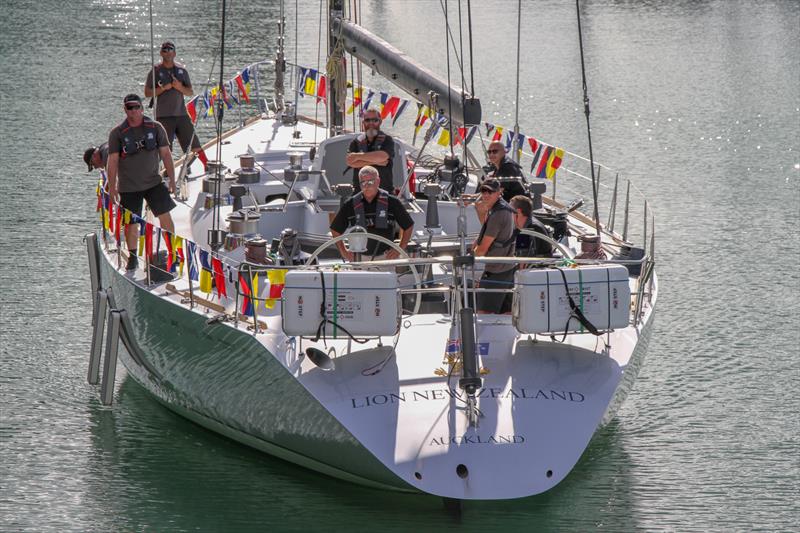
[(491, 185), (132, 98), (168, 42), (87, 157)]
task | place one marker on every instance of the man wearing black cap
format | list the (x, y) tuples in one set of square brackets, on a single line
[(134, 149), (496, 239), (96, 156), (171, 85)]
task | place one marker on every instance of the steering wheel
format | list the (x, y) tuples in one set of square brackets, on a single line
[(568, 253), (327, 244)]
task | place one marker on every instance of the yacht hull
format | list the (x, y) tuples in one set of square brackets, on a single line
[(402, 428)]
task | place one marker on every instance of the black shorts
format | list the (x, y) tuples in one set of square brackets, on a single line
[(496, 302), (183, 127), (158, 200)]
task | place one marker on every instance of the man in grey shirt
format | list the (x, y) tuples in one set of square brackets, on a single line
[(134, 150), (171, 85), (496, 239)]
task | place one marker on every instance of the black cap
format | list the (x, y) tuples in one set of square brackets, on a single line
[(132, 98), (87, 157), (491, 185), (168, 42)]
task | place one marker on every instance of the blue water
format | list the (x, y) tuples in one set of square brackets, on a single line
[(697, 101)]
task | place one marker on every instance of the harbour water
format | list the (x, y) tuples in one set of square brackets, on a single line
[(697, 101)]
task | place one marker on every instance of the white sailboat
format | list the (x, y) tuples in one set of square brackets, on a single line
[(378, 373)]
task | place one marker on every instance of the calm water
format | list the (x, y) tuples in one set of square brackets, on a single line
[(699, 101)]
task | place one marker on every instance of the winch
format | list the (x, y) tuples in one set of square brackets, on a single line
[(243, 222)]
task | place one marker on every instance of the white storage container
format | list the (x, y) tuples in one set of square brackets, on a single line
[(366, 304), (601, 292)]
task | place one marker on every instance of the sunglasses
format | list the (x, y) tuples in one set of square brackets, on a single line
[(167, 49), (368, 183), (492, 151), (372, 120), (133, 107)]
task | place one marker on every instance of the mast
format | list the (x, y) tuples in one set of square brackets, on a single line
[(336, 57)]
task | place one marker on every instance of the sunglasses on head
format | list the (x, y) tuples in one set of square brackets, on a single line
[(133, 107), (368, 182)]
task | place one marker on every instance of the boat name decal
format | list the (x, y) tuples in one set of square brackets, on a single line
[(477, 439), (443, 394)]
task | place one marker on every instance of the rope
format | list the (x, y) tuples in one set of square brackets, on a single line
[(586, 112)]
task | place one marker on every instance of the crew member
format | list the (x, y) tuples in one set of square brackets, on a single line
[(527, 245), (134, 148), (373, 147), (496, 239), (501, 166), (172, 84), (378, 212), (96, 157)]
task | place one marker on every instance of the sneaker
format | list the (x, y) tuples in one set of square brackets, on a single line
[(133, 262)]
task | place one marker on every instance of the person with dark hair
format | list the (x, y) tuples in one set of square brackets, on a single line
[(373, 147), (527, 245), (172, 83), (378, 212), (96, 157), (496, 239), (134, 149)]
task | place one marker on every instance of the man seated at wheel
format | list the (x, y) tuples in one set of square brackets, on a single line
[(529, 245), (377, 211), (502, 166)]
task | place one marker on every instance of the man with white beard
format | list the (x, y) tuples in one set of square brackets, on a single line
[(372, 148)]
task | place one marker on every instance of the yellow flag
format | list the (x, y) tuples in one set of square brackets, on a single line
[(177, 244), (444, 138), (205, 280)]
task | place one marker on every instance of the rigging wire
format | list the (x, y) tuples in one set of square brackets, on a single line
[(586, 112), (469, 34), (319, 60), (215, 223), (515, 144), (449, 91), (153, 60)]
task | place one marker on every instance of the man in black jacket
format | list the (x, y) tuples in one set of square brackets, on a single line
[(501, 166)]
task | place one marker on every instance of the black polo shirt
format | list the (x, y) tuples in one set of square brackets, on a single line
[(396, 216), (509, 169), (385, 172), (528, 246)]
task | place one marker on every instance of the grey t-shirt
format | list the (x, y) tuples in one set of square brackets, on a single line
[(169, 103), (138, 171), (104, 154), (500, 225)]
